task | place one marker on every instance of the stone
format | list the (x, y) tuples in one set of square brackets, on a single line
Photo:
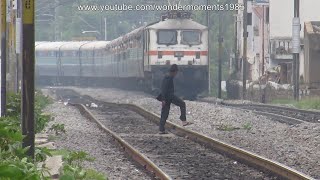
[(54, 164)]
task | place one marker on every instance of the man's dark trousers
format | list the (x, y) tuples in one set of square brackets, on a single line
[(166, 108)]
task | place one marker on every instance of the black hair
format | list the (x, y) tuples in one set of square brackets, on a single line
[(173, 68)]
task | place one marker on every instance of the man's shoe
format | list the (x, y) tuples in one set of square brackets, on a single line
[(163, 132), (185, 123)]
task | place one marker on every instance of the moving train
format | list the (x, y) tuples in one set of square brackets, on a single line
[(139, 58)]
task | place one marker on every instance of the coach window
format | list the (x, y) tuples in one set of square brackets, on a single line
[(167, 37), (191, 37)]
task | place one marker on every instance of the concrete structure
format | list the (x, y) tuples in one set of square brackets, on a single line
[(270, 36), (281, 15), (312, 54), (258, 33)]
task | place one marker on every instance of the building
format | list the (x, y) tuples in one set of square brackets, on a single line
[(312, 54), (257, 42), (281, 15), (270, 34)]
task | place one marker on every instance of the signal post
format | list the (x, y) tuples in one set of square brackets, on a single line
[(28, 63), (3, 56)]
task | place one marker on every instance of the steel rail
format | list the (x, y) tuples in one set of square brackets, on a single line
[(282, 118), (242, 155), (135, 154), (274, 106)]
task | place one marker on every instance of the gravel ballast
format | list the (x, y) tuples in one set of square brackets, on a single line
[(296, 146), (83, 135)]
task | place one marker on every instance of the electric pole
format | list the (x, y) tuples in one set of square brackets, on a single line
[(244, 58), (208, 55), (3, 56), (296, 48), (220, 40), (12, 47), (27, 104), (105, 29), (18, 45), (235, 49)]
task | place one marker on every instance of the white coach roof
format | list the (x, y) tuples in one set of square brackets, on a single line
[(95, 45), (48, 46)]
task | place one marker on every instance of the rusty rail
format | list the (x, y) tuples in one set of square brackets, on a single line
[(135, 154), (242, 155)]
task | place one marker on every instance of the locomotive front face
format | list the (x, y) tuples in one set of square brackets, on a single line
[(178, 46), (182, 42)]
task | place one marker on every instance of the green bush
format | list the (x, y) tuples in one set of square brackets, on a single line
[(73, 167), (14, 165), (41, 101), (13, 161)]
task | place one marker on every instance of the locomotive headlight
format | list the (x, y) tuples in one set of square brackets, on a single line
[(178, 54), (198, 55)]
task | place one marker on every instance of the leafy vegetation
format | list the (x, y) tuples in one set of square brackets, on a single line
[(13, 161), (73, 167), (312, 103), (14, 165), (58, 128), (227, 127), (247, 126)]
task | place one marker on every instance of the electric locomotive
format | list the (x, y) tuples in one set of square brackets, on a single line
[(139, 58)]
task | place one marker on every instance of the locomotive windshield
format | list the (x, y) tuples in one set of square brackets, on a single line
[(190, 37), (167, 37)]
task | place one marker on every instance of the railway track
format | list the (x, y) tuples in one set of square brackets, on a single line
[(179, 154), (279, 113)]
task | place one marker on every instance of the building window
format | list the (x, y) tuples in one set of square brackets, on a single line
[(267, 15), (249, 19)]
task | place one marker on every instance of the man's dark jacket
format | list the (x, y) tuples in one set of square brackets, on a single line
[(167, 89)]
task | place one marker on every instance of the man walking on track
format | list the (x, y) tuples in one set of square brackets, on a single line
[(167, 97)]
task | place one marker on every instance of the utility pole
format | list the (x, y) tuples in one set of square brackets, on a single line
[(208, 55), (27, 104), (235, 48), (105, 29), (296, 48), (18, 45), (263, 28), (220, 40), (3, 56), (244, 58), (56, 34), (11, 45)]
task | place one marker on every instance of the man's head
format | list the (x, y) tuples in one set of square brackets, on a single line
[(173, 70)]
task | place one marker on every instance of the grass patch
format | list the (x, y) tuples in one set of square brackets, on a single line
[(247, 126), (227, 127), (313, 103), (62, 152)]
